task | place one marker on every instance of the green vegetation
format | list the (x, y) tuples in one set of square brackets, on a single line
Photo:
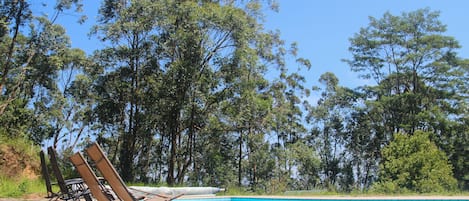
[(18, 155), (414, 164), (20, 187), (178, 94)]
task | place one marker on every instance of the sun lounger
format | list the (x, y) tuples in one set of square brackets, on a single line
[(71, 189), (98, 190), (113, 178)]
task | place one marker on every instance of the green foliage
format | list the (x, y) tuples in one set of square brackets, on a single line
[(308, 164), (189, 82), (415, 67), (22, 145), (36, 52), (414, 163), (198, 93), (413, 41), (16, 121), (327, 134), (25, 153), (20, 187)]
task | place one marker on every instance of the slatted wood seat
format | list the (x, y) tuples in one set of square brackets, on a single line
[(113, 178), (70, 189), (98, 190)]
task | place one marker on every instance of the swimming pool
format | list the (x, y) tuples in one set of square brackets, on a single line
[(429, 198)]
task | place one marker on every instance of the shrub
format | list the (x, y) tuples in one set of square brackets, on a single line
[(414, 163)]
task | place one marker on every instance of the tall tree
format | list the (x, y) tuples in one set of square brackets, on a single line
[(36, 52), (418, 73), (308, 164), (329, 119), (170, 69), (286, 122)]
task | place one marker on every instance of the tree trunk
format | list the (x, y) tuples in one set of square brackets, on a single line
[(240, 158), (172, 160)]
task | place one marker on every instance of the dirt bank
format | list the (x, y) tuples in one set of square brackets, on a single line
[(16, 163)]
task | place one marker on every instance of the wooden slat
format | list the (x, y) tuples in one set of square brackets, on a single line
[(89, 177), (56, 171), (45, 175), (109, 172)]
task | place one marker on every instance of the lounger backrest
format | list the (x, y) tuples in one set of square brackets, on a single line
[(109, 172), (45, 175), (56, 170), (88, 176)]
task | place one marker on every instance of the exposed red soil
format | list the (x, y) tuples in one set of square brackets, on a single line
[(16, 164)]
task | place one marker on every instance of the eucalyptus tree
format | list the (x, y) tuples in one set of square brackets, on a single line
[(363, 142), (420, 79), (329, 119), (215, 64), (37, 54), (175, 73), (215, 151), (409, 58), (308, 164), (286, 120), (126, 62)]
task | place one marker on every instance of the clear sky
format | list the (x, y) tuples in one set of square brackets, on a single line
[(320, 27), (323, 28)]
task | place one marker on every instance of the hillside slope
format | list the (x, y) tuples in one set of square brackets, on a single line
[(19, 162)]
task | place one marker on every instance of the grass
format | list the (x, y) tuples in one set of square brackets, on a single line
[(242, 191), (19, 186), (15, 188), (232, 191), (370, 194)]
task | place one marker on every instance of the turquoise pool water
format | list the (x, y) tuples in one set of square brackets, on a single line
[(305, 199)]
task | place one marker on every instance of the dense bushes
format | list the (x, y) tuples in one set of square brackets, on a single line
[(413, 163)]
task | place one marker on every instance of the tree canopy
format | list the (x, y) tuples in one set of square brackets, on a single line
[(199, 93)]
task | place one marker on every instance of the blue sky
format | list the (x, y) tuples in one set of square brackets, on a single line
[(321, 29)]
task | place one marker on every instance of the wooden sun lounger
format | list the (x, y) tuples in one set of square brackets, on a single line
[(89, 177), (113, 178), (71, 189)]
